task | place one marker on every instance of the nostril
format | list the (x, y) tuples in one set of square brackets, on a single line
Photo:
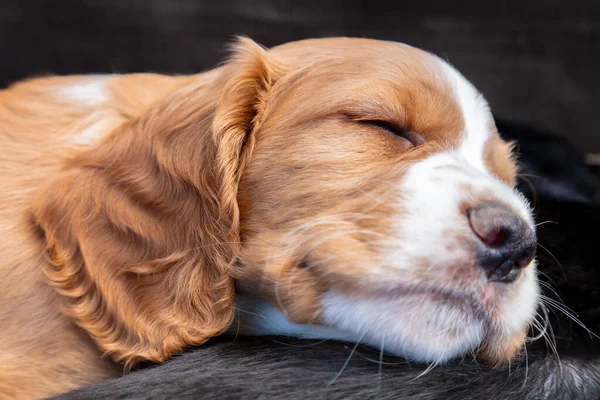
[(506, 242), (490, 224), (491, 235)]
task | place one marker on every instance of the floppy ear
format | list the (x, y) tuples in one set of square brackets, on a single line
[(142, 230)]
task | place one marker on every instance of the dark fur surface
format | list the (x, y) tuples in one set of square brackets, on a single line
[(253, 368), (267, 367)]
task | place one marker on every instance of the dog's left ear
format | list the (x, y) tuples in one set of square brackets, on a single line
[(142, 229), (239, 115)]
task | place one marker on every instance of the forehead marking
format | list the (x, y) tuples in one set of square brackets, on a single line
[(476, 114)]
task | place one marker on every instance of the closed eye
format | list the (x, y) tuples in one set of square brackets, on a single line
[(412, 137)]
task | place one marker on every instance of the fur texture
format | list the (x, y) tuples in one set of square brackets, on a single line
[(333, 178)]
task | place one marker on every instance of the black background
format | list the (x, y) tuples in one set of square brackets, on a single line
[(535, 61)]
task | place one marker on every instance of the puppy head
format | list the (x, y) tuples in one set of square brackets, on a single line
[(357, 184), (380, 200)]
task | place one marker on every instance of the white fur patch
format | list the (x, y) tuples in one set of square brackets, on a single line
[(93, 128), (520, 308), (405, 325), (90, 134), (89, 91), (476, 114)]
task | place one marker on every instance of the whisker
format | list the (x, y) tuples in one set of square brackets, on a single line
[(555, 259), (249, 312), (376, 361), (429, 368), (531, 186), (526, 368), (237, 330), (369, 195), (539, 327), (549, 287), (380, 366), (547, 277), (291, 250), (546, 222), (568, 312), (347, 361), (532, 176), (550, 337), (552, 345)]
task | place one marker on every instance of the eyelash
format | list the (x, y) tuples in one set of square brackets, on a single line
[(388, 126), (413, 138)]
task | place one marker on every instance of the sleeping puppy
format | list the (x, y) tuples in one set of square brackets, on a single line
[(339, 188), (276, 367)]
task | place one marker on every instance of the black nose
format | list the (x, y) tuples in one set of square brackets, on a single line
[(507, 243)]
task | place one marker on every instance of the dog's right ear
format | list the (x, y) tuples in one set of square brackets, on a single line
[(142, 229)]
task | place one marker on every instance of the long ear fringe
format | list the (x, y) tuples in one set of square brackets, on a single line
[(141, 255), (241, 107)]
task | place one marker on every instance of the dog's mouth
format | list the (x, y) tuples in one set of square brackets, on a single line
[(414, 317), (479, 299), (423, 323), (438, 293), (430, 323)]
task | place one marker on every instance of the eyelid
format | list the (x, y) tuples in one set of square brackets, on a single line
[(414, 138)]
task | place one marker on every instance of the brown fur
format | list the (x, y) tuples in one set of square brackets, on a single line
[(142, 229), (499, 156)]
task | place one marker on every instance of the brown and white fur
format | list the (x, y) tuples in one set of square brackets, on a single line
[(321, 188)]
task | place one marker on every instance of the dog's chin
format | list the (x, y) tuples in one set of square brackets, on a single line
[(425, 327), (434, 326), (429, 325)]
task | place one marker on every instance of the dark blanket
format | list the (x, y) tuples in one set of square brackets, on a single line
[(565, 193)]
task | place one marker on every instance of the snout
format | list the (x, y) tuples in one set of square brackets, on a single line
[(507, 243)]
